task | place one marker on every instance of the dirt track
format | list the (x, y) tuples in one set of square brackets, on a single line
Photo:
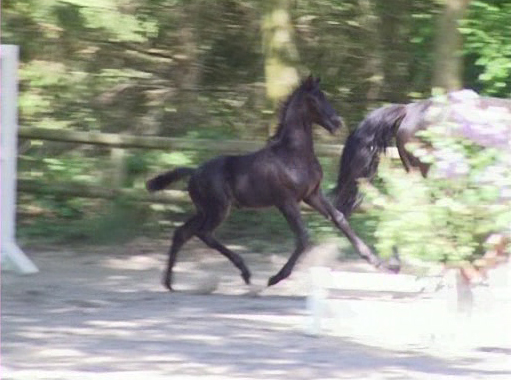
[(104, 315)]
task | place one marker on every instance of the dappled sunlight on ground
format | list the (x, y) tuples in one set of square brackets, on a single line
[(105, 315)]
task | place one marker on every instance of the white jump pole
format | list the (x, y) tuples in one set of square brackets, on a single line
[(13, 257)]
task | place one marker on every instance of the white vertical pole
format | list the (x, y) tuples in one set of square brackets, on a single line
[(317, 299), (12, 256)]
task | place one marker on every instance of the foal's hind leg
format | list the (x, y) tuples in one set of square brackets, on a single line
[(215, 216), (291, 212), (233, 257), (181, 236)]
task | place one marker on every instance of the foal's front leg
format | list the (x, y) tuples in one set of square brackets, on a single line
[(324, 207), (291, 212)]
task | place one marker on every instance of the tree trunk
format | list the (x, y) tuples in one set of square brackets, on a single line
[(394, 33), (280, 53), (374, 62), (448, 66)]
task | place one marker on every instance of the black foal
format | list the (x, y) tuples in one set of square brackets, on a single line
[(282, 174)]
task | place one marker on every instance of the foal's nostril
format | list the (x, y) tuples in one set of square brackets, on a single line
[(337, 121)]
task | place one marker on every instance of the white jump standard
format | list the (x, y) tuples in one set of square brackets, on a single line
[(13, 257)]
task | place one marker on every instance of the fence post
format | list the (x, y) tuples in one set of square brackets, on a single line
[(320, 278), (117, 171)]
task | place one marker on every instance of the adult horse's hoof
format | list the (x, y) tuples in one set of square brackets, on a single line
[(389, 266), (394, 263), (393, 266)]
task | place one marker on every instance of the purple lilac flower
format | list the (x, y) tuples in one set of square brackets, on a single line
[(450, 164), (489, 127), (463, 95)]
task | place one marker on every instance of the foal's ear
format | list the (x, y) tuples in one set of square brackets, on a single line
[(310, 83)]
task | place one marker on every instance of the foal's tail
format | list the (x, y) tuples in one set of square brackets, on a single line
[(161, 181), (360, 157)]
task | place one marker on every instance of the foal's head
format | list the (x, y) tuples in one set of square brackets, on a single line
[(319, 109), (310, 102)]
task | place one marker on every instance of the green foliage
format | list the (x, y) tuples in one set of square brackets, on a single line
[(449, 215), (195, 68), (72, 222), (487, 33)]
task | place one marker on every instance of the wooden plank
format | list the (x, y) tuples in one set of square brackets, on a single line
[(76, 189), (165, 143), (131, 141)]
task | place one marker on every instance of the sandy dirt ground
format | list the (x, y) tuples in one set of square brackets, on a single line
[(103, 314)]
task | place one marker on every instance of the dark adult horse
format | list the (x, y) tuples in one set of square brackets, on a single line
[(363, 147), (283, 173)]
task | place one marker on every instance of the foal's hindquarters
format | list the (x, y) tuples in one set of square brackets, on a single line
[(212, 199)]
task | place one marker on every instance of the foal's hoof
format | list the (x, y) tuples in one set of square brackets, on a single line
[(274, 280), (167, 284), (246, 277)]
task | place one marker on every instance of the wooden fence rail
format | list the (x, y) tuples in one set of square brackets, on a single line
[(81, 190), (114, 140)]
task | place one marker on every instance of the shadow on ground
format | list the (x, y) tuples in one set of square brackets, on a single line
[(99, 314)]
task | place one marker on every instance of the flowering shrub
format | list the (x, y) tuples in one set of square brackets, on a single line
[(467, 194)]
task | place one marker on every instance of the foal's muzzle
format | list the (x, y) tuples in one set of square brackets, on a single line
[(335, 123)]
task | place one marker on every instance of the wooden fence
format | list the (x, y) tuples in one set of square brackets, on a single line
[(115, 141)]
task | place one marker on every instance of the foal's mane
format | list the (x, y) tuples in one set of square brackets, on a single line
[(283, 110)]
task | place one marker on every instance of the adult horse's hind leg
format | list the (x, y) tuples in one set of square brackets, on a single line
[(291, 212), (181, 236), (403, 154), (318, 201), (409, 160)]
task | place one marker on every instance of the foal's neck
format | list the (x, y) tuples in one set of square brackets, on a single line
[(297, 131)]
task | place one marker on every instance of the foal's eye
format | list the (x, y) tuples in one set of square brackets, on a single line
[(315, 100)]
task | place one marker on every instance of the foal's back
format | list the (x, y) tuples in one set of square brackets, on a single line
[(265, 178)]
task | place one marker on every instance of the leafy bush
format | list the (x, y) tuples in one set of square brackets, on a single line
[(486, 32), (467, 194)]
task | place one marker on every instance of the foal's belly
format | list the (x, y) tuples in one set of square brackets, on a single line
[(272, 191), (253, 194)]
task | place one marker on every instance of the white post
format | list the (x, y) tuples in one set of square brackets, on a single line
[(12, 256), (317, 299)]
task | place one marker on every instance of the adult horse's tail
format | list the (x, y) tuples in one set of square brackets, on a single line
[(361, 154), (161, 181)]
